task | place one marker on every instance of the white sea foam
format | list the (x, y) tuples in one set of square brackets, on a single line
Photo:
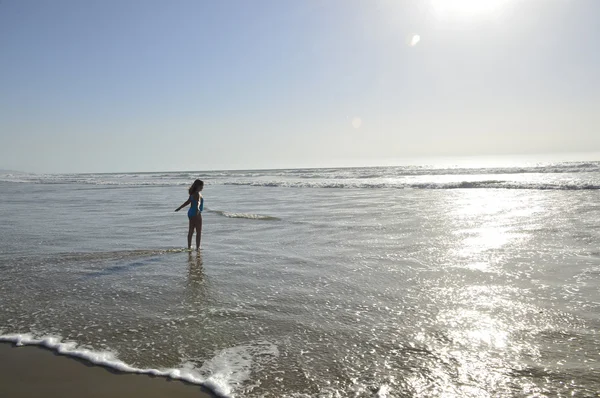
[(244, 215), (230, 367), (221, 374), (383, 391)]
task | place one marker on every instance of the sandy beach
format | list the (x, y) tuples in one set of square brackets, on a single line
[(30, 371)]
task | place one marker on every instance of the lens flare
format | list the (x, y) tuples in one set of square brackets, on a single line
[(415, 40)]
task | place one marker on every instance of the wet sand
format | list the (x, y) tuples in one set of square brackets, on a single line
[(30, 371)]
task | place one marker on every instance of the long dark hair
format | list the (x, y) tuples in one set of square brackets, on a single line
[(196, 186)]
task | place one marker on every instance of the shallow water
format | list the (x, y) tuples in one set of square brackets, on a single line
[(384, 282)]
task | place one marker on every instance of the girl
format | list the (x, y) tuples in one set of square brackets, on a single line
[(195, 212)]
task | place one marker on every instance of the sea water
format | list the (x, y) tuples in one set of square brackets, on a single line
[(412, 281)]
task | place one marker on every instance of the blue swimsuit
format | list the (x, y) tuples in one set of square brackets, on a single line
[(194, 208)]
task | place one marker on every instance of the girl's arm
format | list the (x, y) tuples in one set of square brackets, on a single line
[(187, 202)]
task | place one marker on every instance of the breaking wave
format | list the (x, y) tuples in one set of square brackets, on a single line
[(361, 177), (423, 185)]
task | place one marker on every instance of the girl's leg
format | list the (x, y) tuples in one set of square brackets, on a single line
[(190, 233), (198, 230)]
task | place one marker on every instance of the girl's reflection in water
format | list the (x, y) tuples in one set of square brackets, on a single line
[(196, 288)]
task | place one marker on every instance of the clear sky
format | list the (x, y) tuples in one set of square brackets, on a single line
[(144, 85)]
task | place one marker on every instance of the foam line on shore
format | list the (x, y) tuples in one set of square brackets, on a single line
[(109, 360)]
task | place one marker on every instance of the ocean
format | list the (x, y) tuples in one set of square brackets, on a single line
[(406, 281)]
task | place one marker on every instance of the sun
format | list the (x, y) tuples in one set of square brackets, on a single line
[(466, 8)]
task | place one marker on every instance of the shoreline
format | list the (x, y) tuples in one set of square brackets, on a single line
[(32, 371)]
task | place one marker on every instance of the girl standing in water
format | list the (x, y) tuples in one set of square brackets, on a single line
[(195, 212)]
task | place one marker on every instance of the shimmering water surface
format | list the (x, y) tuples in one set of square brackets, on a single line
[(387, 282)]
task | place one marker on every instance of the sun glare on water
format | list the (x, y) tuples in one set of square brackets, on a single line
[(467, 8)]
